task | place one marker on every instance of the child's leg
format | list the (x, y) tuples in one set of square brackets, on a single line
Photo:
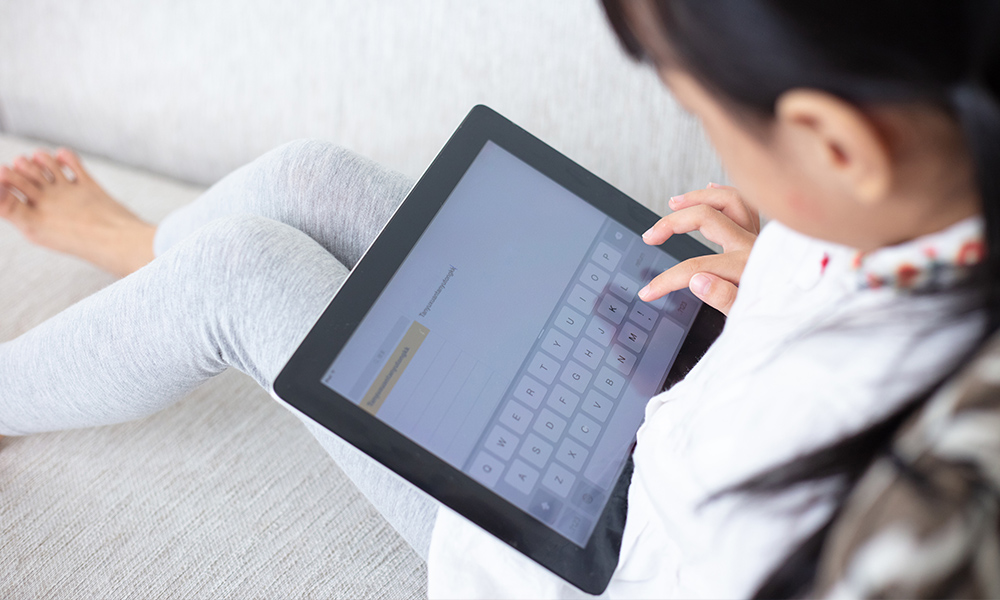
[(241, 291), (334, 196)]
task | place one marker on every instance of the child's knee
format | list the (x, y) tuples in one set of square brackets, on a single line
[(242, 258), (248, 246), (309, 157), (258, 284)]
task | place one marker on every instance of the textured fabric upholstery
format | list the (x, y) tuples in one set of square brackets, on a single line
[(194, 88)]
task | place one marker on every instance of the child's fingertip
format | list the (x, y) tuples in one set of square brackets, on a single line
[(700, 284)]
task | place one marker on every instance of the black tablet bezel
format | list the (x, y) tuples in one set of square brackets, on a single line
[(299, 383)]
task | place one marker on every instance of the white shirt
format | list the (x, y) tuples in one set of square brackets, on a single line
[(809, 354)]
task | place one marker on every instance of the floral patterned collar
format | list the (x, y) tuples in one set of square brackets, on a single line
[(936, 261)]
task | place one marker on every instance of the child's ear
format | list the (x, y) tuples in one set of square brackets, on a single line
[(842, 143)]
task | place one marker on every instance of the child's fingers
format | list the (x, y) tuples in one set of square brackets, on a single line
[(722, 216), (726, 200), (713, 291), (714, 225), (728, 266)]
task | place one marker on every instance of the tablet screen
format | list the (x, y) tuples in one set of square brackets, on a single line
[(511, 343)]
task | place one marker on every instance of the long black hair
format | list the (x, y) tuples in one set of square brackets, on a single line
[(942, 53)]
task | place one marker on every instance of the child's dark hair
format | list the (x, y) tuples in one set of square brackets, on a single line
[(944, 54)]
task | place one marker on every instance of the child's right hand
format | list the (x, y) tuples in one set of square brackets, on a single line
[(723, 217)]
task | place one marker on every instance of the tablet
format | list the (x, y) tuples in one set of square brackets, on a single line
[(490, 347)]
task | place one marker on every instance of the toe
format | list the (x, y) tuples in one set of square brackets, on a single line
[(16, 180), (45, 161), (12, 209), (30, 171), (69, 158)]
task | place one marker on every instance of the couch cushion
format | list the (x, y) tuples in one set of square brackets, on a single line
[(193, 89)]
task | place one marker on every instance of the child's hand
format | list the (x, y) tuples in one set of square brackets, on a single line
[(722, 216)]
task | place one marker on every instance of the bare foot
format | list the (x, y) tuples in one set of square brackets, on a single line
[(69, 212)]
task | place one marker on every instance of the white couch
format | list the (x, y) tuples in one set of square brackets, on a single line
[(225, 494)]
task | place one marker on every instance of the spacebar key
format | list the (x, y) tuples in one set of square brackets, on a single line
[(619, 432)]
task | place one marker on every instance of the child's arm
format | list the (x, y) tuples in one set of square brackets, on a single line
[(722, 216)]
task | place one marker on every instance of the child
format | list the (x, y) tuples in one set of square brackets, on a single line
[(866, 130)]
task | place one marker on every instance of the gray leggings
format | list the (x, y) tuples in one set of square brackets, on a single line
[(240, 277)]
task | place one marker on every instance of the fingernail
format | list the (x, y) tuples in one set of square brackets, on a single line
[(700, 284), (644, 292), (648, 232), (675, 200), (714, 185)]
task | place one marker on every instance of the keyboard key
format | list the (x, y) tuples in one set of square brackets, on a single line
[(576, 376), (632, 337), (612, 308), (501, 442), (617, 236), (544, 367), (621, 359), (639, 262), (574, 526), (535, 450), (589, 353), (660, 303), (516, 416), (588, 498), (559, 480), (595, 277), (601, 330), (585, 430), (558, 344), (681, 307), (643, 315), (624, 287), (563, 401), (544, 506), (610, 382), (521, 477), (572, 454), (582, 299), (486, 469), (530, 391), (606, 256), (597, 405), (549, 425), (570, 321)]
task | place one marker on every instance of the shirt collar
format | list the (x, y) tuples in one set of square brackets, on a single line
[(936, 261)]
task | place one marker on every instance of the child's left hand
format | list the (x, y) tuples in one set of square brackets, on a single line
[(722, 216)]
